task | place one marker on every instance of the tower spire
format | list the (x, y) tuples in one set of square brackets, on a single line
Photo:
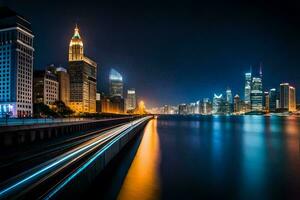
[(260, 69)]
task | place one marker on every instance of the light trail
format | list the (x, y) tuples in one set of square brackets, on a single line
[(93, 158), (56, 162)]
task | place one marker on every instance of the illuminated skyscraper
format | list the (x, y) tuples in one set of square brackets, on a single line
[(266, 102), (237, 104), (256, 94), (83, 73), (115, 83), (248, 77), (292, 99), (287, 97), (131, 100), (229, 95), (284, 96), (16, 64), (272, 99), (46, 86), (64, 85), (218, 106)]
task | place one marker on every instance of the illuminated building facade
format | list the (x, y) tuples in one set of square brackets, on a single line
[(64, 85), (205, 107), (272, 100), (266, 102), (247, 92), (287, 97), (16, 64), (115, 83), (292, 99), (256, 95), (218, 106), (236, 104), (83, 80), (183, 109), (46, 87), (229, 96), (131, 100)]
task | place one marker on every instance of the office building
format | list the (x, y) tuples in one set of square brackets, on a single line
[(287, 97), (206, 107), (292, 99), (131, 100), (266, 102), (45, 86), (83, 73), (16, 64), (229, 96), (236, 104), (247, 92), (115, 83), (218, 106), (256, 96), (64, 84), (272, 100), (183, 109)]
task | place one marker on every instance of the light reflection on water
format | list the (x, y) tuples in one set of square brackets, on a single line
[(238, 157), (142, 180)]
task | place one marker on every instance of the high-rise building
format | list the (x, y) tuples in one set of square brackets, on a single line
[(266, 102), (218, 106), (64, 84), (83, 73), (272, 99), (45, 86), (115, 83), (16, 64), (131, 100), (284, 96), (256, 95), (229, 96), (205, 107), (287, 97), (292, 99), (248, 78), (237, 104), (98, 102), (183, 109)]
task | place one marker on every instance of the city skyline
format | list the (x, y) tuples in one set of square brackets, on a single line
[(134, 58)]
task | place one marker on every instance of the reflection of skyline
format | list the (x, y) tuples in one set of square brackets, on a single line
[(142, 180)]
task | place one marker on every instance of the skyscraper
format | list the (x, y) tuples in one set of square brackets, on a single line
[(287, 97), (266, 102), (237, 104), (64, 84), (247, 100), (46, 87), (16, 66), (131, 100), (115, 83), (256, 94), (272, 99), (284, 96), (229, 96), (206, 107), (83, 73), (218, 104), (292, 99)]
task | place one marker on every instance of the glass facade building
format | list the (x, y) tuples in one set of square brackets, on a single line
[(16, 64), (115, 83), (256, 95)]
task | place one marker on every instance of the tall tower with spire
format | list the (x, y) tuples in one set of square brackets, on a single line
[(76, 46), (83, 77)]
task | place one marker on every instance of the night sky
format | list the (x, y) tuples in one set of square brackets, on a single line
[(172, 52)]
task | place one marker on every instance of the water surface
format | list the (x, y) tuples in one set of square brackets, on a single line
[(237, 157)]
